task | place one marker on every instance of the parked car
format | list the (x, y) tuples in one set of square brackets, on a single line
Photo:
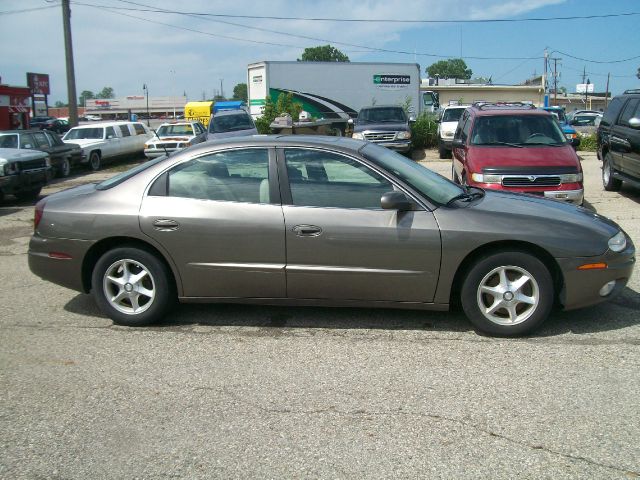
[(103, 142), (38, 122), (619, 141), (567, 129), (586, 123), (56, 125), (23, 172), (313, 220), (447, 124), (231, 123), (171, 137), (386, 125), (517, 148), (63, 156)]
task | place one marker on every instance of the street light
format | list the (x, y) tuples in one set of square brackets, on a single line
[(145, 89), (173, 91)]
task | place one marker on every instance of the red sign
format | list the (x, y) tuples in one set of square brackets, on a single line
[(38, 83)]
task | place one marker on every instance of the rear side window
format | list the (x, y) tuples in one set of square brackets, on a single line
[(629, 112), (139, 129), (613, 110), (125, 130)]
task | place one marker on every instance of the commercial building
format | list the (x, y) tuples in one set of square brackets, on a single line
[(462, 92), (112, 108), (14, 107)]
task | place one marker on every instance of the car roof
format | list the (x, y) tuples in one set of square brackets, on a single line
[(510, 111), (223, 113), (284, 141), (31, 130)]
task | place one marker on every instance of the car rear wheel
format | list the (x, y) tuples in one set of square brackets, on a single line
[(132, 286), (507, 294), (94, 161), (609, 183)]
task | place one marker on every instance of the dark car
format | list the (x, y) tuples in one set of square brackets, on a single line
[(386, 125), (231, 123), (619, 141), (517, 148), (316, 220), (63, 155), (23, 172), (39, 122), (56, 125)]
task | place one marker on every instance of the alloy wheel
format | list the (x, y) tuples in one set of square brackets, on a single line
[(129, 286)]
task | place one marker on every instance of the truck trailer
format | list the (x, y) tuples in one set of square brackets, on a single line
[(338, 90)]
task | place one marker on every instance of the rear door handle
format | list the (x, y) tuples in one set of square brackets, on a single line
[(307, 230), (165, 225)]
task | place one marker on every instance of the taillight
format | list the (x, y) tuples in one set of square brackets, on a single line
[(39, 210)]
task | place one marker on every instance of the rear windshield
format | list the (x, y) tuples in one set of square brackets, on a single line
[(520, 130), (230, 123), (121, 177)]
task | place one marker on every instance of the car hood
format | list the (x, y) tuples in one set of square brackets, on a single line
[(19, 155), (480, 158), (563, 229), (381, 127), (85, 142), (233, 133), (448, 126)]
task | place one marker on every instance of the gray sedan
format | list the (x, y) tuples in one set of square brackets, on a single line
[(322, 221)]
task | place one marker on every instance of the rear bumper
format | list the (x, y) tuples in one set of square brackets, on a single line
[(569, 192)]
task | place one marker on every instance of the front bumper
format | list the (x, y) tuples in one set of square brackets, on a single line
[(397, 145), (582, 287), (25, 181), (446, 142), (159, 152)]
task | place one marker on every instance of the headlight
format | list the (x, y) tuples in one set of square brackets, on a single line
[(481, 178), (148, 145), (47, 161), (618, 242), (2, 174), (403, 135), (358, 135), (571, 178), (448, 134), (571, 136)]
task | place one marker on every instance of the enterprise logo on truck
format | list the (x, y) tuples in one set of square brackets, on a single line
[(392, 81)]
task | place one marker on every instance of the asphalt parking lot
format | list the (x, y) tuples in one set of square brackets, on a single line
[(233, 391)]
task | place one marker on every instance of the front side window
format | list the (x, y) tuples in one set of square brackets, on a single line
[(324, 179), (232, 175), (612, 111), (111, 133), (27, 141), (9, 141), (512, 130), (629, 112)]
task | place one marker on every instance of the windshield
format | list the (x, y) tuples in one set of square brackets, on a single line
[(9, 141), (121, 177), (426, 181), (382, 115), (517, 130), (169, 130), (229, 123), (452, 114), (85, 133)]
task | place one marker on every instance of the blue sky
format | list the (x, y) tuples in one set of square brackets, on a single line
[(113, 49)]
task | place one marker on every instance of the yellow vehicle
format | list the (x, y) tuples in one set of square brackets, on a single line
[(198, 111)]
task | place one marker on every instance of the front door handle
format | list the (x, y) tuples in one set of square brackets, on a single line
[(307, 230), (165, 225)]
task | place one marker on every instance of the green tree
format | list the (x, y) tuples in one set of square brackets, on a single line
[(451, 68), (323, 53), (60, 104), (285, 104), (106, 92), (84, 96), (240, 92)]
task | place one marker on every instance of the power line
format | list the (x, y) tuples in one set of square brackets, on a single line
[(26, 10), (368, 48), (385, 20), (596, 61)]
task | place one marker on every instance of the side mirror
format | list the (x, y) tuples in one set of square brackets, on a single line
[(395, 201), (109, 137), (634, 123), (350, 121), (457, 143), (28, 145), (412, 119)]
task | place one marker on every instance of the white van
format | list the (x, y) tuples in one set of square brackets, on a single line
[(105, 141)]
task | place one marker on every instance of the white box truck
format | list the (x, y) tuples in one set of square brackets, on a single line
[(338, 90)]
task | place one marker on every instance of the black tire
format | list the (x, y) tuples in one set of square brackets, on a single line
[(609, 183), (29, 194), (513, 315), (94, 161), (442, 152), (454, 177), (157, 280), (65, 168)]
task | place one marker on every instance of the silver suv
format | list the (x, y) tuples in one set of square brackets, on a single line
[(231, 123)]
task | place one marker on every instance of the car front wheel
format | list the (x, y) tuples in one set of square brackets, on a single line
[(94, 161), (132, 286), (507, 294)]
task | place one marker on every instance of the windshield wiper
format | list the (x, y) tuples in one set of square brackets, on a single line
[(517, 145)]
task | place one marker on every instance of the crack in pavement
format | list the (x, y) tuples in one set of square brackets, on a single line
[(362, 413)]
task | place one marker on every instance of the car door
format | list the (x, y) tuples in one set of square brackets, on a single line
[(112, 145), (127, 141), (459, 154), (626, 138), (341, 244), (219, 216)]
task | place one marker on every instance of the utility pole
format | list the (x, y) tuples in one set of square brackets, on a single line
[(555, 80), (221, 90), (71, 75), (606, 95), (544, 79)]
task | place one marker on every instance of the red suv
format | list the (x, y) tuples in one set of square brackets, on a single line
[(517, 148)]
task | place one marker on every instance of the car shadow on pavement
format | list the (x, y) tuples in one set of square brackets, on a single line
[(8, 210), (619, 313), (630, 192)]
